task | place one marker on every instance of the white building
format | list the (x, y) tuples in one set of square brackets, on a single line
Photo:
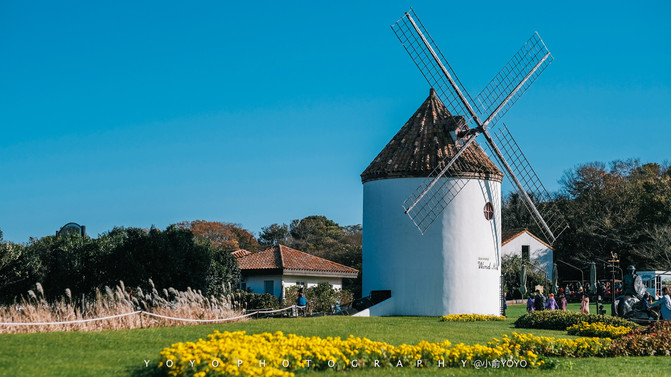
[(454, 267), (524, 244), (655, 280), (279, 267)]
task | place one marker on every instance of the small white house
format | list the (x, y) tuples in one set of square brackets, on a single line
[(279, 267), (523, 243)]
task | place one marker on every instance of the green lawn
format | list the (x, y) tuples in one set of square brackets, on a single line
[(120, 353)]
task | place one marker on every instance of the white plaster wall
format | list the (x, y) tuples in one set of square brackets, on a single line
[(436, 273), (538, 252), (256, 283)]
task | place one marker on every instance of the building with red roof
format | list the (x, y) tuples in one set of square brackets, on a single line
[(279, 267)]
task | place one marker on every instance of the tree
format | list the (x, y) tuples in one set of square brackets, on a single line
[(274, 235), (623, 208), (511, 268), (12, 271), (655, 246), (514, 213), (171, 258), (320, 236), (223, 236)]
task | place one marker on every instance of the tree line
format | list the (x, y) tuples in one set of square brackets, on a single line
[(194, 254), (171, 258), (622, 206)]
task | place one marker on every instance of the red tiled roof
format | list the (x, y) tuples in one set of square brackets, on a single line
[(240, 253), (288, 260), (426, 141), (510, 234), (261, 260)]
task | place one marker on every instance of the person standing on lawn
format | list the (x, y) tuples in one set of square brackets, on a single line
[(665, 304), (530, 303), (562, 302), (539, 301), (552, 303), (584, 304), (505, 304), (301, 301)]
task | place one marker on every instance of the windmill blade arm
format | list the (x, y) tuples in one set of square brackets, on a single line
[(536, 198), (513, 80), (435, 175), (437, 191), (433, 66)]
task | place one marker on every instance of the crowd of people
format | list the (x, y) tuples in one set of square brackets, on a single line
[(537, 302), (574, 291)]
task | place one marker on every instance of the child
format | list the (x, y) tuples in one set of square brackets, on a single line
[(551, 304), (584, 304)]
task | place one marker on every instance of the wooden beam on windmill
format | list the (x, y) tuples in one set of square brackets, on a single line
[(434, 194)]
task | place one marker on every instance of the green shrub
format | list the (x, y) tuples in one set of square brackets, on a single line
[(250, 300), (319, 297), (561, 320), (262, 301)]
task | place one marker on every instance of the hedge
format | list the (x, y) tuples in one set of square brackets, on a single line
[(561, 320)]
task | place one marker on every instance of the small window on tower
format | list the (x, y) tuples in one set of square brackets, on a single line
[(525, 253), (489, 211)]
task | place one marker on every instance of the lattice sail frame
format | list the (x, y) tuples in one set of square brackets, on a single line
[(435, 193), (530, 182), (533, 54), (430, 206)]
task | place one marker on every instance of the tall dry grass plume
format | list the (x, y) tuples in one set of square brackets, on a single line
[(170, 302)]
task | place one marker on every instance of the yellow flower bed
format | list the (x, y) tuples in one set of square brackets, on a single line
[(471, 318), (549, 346), (236, 353), (598, 329)]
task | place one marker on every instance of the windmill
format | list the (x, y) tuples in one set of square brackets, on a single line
[(479, 117)]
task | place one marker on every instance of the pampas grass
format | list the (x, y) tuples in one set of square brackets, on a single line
[(109, 301)]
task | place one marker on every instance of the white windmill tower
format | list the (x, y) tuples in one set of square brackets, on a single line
[(452, 265)]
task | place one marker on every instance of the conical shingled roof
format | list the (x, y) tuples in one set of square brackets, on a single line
[(425, 141)]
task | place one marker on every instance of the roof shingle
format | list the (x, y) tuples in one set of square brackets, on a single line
[(240, 253), (427, 141), (288, 259)]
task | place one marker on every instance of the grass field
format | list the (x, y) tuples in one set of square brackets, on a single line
[(122, 353)]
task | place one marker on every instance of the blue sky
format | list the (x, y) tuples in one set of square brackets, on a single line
[(141, 114)]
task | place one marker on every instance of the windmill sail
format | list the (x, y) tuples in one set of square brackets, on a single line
[(433, 65), (431, 198), (520, 71), (530, 185)]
